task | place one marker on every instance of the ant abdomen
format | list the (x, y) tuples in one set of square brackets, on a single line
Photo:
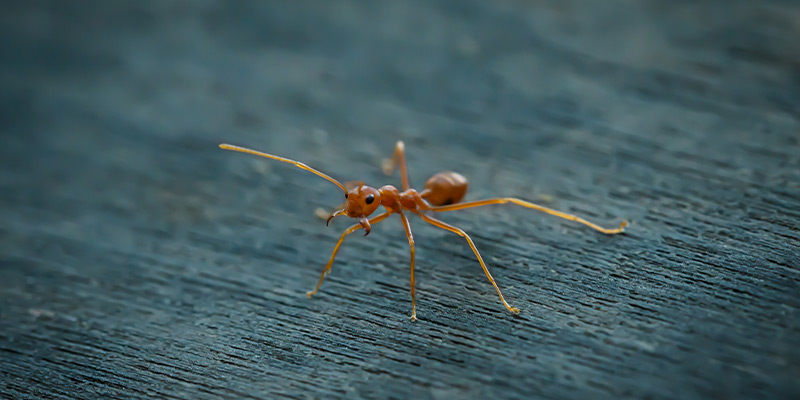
[(445, 188)]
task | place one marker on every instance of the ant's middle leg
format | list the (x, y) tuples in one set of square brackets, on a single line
[(398, 158), (410, 237)]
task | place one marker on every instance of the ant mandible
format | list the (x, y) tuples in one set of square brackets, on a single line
[(442, 192)]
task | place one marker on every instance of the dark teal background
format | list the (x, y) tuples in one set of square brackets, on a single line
[(137, 260)]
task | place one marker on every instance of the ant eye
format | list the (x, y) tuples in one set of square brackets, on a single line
[(345, 195), (370, 199)]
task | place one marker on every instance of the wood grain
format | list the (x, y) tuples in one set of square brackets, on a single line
[(137, 260)]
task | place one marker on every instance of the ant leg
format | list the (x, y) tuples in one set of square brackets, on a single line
[(349, 230), (399, 157), (470, 204), (439, 224), (410, 237)]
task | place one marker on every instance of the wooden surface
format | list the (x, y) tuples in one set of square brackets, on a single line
[(137, 260)]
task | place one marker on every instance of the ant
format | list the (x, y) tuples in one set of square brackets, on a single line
[(442, 192)]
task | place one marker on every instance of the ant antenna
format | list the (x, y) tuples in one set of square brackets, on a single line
[(286, 160)]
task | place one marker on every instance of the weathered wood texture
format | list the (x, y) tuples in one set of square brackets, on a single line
[(137, 260)]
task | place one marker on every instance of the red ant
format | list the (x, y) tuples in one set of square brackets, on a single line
[(442, 192)]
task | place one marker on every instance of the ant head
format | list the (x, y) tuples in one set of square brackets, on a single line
[(360, 202)]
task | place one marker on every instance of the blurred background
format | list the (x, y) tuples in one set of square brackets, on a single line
[(139, 260)]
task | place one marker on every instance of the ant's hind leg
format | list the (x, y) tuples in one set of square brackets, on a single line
[(527, 204), (398, 158), (439, 224), (349, 230)]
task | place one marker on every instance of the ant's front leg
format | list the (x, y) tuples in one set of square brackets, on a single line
[(349, 230)]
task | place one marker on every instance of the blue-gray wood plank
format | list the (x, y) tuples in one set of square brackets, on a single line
[(137, 260)]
